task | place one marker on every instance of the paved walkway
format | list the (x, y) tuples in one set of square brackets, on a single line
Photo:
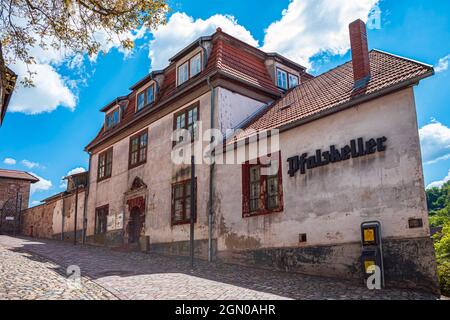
[(149, 276)]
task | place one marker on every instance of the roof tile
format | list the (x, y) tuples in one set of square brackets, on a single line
[(335, 88)]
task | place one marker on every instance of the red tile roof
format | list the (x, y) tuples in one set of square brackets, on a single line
[(229, 56), (19, 175), (334, 89)]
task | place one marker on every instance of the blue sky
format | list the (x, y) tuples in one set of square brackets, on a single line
[(50, 125)]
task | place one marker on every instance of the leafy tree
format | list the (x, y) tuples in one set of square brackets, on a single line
[(442, 247), (438, 200), (71, 25)]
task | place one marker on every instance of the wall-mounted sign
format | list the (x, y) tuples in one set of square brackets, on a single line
[(356, 148), (9, 218)]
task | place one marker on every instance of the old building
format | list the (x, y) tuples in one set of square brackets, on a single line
[(348, 153), (14, 197), (59, 215)]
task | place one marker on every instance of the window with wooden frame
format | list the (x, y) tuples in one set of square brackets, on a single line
[(105, 160), (187, 119), (145, 97), (101, 219), (189, 69), (181, 202), (138, 149), (262, 191), (112, 118), (286, 80)]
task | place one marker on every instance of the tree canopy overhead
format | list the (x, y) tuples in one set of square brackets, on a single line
[(77, 26)]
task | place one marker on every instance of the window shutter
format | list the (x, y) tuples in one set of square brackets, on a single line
[(245, 189)]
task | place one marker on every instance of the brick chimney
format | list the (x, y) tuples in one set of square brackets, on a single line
[(360, 52)]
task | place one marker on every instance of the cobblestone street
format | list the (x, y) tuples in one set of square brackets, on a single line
[(35, 269)]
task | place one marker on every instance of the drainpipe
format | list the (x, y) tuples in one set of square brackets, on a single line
[(75, 217), (86, 193), (211, 173), (211, 166), (62, 219)]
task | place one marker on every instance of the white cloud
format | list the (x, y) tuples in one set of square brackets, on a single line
[(30, 164), (63, 184), (50, 91), (75, 171), (35, 203), (435, 142), (310, 27), (439, 183), (181, 30), (442, 64), (41, 185), (9, 161)]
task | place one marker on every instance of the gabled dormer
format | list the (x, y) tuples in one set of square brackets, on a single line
[(145, 96), (285, 73), (114, 112), (146, 91), (191, 61)]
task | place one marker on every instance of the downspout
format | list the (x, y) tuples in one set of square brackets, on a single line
[(211, 175), (211, 166), (86, 193)]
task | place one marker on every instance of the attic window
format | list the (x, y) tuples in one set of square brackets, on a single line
[(286, 80), (112, 119), (189, 69), (145, 97)]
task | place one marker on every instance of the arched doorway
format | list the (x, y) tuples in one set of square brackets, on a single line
[(135, 225)]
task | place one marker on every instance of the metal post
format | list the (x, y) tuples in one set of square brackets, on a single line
[(76, 218), (17, 213), (192, 208), (20, 212)]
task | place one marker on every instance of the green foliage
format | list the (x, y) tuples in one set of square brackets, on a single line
[(442, 246), (73, 26), (444, 277), (438, 202), (442, 243)]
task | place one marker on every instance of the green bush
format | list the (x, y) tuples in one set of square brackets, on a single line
[(442, 247), (444, 277)]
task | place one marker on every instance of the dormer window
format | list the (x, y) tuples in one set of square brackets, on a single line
[(189, 69), (145, 97), (112, 118), (293, 80), (286, 80)]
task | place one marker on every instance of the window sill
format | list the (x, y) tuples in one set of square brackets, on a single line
[(147, 106), (262, 212), (103, 179), (132, 166), (179, 223)]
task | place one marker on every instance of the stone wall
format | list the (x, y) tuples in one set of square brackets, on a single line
[(408, 263), (9, 189), (54, 219), (37, 221)]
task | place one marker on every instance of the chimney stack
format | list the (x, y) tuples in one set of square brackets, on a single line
[(360, 53)]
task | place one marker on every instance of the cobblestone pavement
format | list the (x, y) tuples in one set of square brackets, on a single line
[(133, 275), (26, 276)]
